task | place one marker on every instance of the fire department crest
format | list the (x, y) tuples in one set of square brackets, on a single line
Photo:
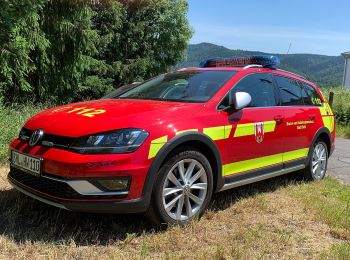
[(259, 131)]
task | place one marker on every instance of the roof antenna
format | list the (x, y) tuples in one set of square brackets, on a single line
[(290, 46)]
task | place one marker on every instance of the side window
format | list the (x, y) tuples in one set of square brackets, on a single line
[(260, 87), (290, 91), (310, 96)]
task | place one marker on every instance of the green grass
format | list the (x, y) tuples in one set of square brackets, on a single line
[(281, 218), (11, 121), (343, 131), (338, 251), (331, 201)]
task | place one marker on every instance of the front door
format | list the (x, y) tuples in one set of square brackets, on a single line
[(255, 145)]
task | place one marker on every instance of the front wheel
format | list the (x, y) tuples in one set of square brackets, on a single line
[(183, 189), (318, 161)]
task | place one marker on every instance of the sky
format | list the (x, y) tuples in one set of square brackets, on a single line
[(309, 26)]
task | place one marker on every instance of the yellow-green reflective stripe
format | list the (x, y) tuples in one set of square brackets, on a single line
[(185, 131), (256, 163), (248, 129), (296, 154), (251, 164), (156, 145), (323, 110), (328, 122), (218, 132), (228, 129), (327, 116)]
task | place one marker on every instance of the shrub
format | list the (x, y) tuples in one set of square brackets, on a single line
[(341, 105)]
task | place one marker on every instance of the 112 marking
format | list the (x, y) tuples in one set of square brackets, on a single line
[(88, 112)]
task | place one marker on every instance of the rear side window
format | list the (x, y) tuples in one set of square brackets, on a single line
[(290, 91), (261, 89), (310, 95)]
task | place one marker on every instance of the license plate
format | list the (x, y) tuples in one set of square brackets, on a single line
[(25, 162)]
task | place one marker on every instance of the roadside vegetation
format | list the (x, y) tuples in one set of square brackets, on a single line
[(341, 108), (275, 219), (12, 119)]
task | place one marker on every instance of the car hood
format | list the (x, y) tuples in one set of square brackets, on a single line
[(105, 115)]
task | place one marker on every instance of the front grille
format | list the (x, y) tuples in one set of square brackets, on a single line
[(51, 187), (57, 141)]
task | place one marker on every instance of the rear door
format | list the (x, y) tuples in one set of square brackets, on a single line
[(319, 111), (255, 145), (298, 121)]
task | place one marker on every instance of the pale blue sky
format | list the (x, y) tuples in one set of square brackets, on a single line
[(312, 26)]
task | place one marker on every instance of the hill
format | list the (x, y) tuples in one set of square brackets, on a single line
[(326, 71)]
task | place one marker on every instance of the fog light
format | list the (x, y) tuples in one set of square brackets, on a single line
[(119, 184)]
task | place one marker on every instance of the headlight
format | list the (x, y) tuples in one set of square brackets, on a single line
[(119, 141)]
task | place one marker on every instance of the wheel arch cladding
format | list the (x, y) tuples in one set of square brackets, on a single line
[(198, 141), (324, 134)]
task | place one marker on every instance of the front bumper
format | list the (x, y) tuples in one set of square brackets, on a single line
[(66, 179), (73, 166), (58, 192)]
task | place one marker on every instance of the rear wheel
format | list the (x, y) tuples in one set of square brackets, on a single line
[(318, 161), (183, 189)]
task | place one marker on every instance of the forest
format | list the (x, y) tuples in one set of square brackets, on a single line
[(60, 51)]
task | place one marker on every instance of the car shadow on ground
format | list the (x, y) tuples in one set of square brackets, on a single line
[(25, 219)]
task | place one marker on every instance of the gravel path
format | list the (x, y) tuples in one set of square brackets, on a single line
[(339, 163)]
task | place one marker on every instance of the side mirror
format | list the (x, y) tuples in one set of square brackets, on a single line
[(240, 100)]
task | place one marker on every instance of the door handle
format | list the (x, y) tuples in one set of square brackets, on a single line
[(279, 119), (312, 117)]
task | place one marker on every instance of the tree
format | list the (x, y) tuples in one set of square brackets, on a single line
[(154, 36), (20, 35), (68, 25), (66, 50)]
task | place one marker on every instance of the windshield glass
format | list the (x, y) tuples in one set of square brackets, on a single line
[(117, 92), (189, 86)]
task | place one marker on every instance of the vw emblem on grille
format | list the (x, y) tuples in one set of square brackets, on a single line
[(36, 137)]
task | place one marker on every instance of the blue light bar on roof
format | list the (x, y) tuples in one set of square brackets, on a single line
[(267, 61)]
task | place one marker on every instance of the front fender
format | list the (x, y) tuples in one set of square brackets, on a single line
[(170, 146)]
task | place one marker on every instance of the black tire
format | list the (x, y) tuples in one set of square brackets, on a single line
[(308, 172), (157, 212)]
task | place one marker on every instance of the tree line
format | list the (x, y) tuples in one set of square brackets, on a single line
[(67, 50)]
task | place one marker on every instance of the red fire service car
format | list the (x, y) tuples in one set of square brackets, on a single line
[(164, 146)]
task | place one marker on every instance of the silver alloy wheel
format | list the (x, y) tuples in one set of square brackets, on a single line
[(184, 189), (319, 161)]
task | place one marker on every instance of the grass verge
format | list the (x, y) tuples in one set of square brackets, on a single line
[(343, 131), (330, 203), (278, 218)]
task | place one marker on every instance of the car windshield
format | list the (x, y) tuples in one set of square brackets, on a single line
[(117, 92), (187, 86)]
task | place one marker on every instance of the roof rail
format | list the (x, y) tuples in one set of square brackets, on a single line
[(293, 74), (253, 66)]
